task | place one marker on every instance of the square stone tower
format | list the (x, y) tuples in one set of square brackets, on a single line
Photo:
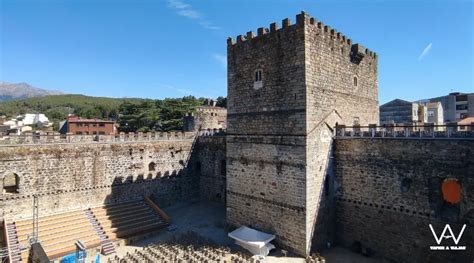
[(287, 89)]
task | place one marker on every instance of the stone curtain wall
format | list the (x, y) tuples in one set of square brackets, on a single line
[(389, 190), (55, 137), (211, 161), (266, 147), (75, 176)]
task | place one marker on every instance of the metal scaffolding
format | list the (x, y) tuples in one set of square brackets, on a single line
[(34, 235)]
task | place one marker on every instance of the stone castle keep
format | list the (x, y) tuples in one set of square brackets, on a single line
[(287, 90), (280, 167)]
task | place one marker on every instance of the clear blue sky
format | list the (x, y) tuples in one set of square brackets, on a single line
[(157, 49)]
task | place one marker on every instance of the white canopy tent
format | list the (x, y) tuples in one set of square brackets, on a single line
[(257, 242)]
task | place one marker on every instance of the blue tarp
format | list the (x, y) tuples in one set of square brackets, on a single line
[(71, 258)]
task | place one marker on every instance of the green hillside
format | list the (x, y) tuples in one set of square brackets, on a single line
[(132, 114)]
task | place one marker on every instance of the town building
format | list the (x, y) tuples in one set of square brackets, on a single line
[(27, 123), (403, 112), (34, 119), (435, 113), (466, 124), (456, 106), (78, 126)]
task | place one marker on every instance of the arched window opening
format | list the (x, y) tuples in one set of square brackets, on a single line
[(258, 79), (355, 81), (11, 183), (151, 166), (258, 75)]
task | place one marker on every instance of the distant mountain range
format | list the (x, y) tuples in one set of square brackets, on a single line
[(13, 91)]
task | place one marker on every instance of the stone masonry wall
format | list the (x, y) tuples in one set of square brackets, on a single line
[(75, 176), (211, 165), (388, 191)]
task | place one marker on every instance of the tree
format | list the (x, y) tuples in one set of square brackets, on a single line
[(221, 102)]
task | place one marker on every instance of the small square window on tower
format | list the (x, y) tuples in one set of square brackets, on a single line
[(258, 79), (356, 121)]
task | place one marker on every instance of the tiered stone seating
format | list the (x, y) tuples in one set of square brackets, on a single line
[(13, 245), (189, 247), (127, 219), (58, 233)]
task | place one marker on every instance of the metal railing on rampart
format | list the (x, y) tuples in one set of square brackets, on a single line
[(407, 132)]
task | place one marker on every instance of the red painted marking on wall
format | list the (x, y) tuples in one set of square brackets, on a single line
[(451, 191)]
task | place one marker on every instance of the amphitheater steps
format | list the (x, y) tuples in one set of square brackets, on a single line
[(58, 233), (49, 218), (95, 227), (131, 219), (102, 214), (107, 246), (13, 244), (47, 233)]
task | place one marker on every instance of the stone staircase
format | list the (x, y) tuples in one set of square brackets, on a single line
[(125, 220), (13, 244), (107, 246)]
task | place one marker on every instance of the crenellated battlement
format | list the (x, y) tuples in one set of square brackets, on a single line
[(54, 137), (302, 19)]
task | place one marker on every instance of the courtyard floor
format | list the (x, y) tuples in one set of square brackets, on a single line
[(208, 220)]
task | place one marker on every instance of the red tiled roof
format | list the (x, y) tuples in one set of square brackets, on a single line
[(466, 121), (89, 120)]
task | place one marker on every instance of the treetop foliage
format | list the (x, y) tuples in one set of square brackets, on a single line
[(131, 114)]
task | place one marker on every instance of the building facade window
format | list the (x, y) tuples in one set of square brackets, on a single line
[(355, 81)]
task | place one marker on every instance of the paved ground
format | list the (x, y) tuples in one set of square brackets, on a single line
[(208, 220)]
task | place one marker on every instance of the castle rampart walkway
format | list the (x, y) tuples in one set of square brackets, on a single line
[(56, 138), (406, 132)]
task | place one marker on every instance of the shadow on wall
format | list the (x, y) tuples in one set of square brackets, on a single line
[(323, 235), (130, 209)]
